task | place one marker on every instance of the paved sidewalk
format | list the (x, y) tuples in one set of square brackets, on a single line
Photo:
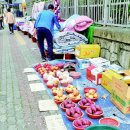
[(18, 105)]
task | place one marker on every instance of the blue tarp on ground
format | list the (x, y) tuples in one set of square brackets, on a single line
[(106, 104)]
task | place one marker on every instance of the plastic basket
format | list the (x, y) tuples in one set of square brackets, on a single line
[(101, 127)]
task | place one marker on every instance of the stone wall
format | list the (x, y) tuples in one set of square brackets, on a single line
[(115, 44)]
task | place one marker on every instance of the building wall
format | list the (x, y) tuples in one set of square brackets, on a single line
[(115, 44)]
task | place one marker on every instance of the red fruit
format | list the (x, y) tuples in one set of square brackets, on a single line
[(98, 113), (72, 110), (79, 122), (93, 107), (87, 104), (78, 110), (76, 115), (89, 110), (68, 112), (98, 108)]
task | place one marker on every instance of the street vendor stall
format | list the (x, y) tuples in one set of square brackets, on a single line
[(81, 87)]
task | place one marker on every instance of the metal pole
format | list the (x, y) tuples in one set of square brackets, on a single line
[(88, 8), (106, 11), (75, 7)]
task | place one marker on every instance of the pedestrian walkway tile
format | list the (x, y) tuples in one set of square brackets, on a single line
[(47, 105), (52, 122), (37, 87), (33, 77), (29, 70)]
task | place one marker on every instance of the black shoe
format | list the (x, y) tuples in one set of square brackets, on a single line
[(44, 60), (49, 59)]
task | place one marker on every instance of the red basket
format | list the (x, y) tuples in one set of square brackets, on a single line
[(76, 100), (87, 89), (83, 107), (33, 39), (72, 118), (79, 128), (64, 109), (94, 116), (109, 121)]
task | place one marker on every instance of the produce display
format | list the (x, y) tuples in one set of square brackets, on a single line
[(70, 88), (94, 111), (55, 90), (81, 124), (68, 96), (59, 98), (67, 104), (75, 96), (85, 103), (91, 93), (73, 113)]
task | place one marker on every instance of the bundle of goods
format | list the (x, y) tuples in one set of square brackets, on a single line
[(37, 8), (99, 61), (68, 40), (25, 27), (31, 27), (77, 23)]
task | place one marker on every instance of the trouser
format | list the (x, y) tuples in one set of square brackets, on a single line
[(44, 33), (1, 24), (11, 27)]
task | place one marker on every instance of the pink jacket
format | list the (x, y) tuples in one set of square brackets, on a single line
[(10, 18)]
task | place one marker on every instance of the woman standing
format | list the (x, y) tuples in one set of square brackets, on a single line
[(10, 20)]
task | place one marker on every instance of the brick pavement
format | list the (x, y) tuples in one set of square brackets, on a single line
[(18, 105)]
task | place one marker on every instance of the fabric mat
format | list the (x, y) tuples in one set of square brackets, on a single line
[(106, 104)]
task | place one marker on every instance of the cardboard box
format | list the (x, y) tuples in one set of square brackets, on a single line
[(89, 72), (121, 95), (94, 74), (84, 51), (106, 80), (127, 72), (122, 105), (83, 63), (126, 76), (100, 62)]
